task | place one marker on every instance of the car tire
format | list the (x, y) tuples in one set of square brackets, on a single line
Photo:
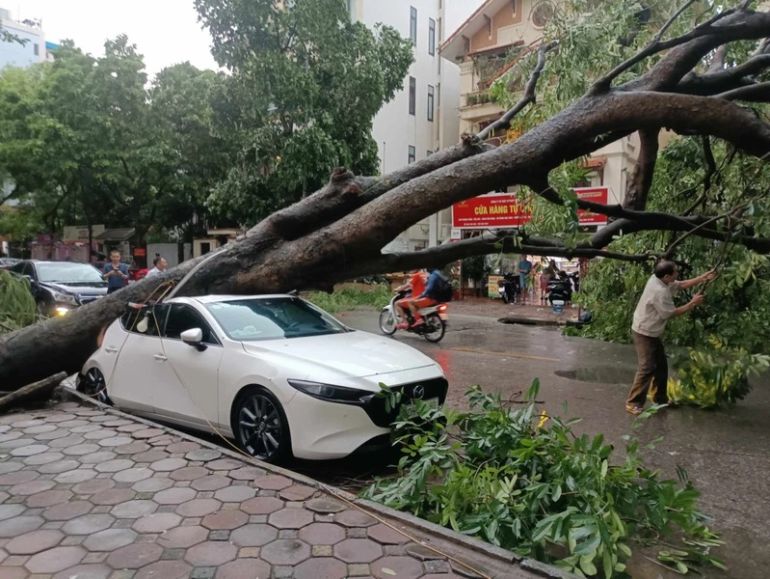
[(437, 327), (260, 425), (93, 384), (387, 322)]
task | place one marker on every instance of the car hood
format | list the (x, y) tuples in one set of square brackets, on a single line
[(95, 289), (356, 354)]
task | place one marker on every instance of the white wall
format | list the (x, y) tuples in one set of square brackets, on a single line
[(21, 55), (394, 128)]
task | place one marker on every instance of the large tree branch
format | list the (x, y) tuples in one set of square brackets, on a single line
[(345, 193), (678, 62), (542, 149), (487, 242), (724, 80), (657, 45), (758, 93), (644, 171), (528, 98)]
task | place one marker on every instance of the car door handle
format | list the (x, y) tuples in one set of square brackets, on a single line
[(111, 350), (160, 357)]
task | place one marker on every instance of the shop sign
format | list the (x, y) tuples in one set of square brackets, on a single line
[(594, 195), (505, 211), (492, 211)]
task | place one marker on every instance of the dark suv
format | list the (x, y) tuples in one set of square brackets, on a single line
[(59, 286)]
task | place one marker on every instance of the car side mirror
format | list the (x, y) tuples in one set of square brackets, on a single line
[(193, 337)]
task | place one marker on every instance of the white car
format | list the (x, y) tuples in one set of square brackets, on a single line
[(274, 372)]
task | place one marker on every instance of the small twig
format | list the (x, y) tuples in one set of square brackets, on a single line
[(528, 98), (703, 225)]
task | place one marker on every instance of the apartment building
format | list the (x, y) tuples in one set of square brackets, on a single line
[(484, 47), (423, 116), (28, 45)]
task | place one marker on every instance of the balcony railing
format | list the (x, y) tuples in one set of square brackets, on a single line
[(477, 98)]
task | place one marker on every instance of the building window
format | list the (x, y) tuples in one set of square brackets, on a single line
[(431, 36), (430, 102), (413, 25), (412, 154), (37, 49), (412, 95)]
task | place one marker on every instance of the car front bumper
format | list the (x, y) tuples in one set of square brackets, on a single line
[(322, 429)]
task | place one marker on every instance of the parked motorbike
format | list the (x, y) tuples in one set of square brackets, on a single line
[(508, 288), (432, 330), (559, 292)]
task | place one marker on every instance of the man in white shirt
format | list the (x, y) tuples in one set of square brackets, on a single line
[(160, 264), (655, 308)]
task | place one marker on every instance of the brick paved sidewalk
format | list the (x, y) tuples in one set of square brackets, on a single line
[(90, 493)]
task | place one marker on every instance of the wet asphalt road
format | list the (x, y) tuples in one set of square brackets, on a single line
[(726, 452)]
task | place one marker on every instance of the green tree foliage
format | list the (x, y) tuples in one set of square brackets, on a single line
[(305, 85), (725, 340), (17, 306), (194, 156), (86, 141), (717, 352), (525, 481)]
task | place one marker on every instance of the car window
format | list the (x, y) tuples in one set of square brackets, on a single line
[(68, 272), (20, 268), (146, 321), (182, 317), (272, 318)]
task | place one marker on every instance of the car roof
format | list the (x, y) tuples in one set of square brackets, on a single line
[(210, 299), (49, 262)]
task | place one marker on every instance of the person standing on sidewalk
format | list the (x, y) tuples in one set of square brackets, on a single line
[(115, 273), (655, 308), (525, 267)]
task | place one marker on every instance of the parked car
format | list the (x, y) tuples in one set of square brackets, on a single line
[(8, 262), (59, 286), (274, 372)]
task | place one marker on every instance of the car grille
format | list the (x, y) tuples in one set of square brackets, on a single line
[(422, 390)]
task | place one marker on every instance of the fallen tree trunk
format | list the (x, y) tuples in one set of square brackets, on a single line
[(36, 391), (339, 232)]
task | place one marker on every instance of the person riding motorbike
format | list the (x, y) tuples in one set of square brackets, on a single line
[(427, 298), (414, 287)]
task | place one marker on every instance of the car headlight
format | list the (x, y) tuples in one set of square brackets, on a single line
[(331, 393), (68, 299)]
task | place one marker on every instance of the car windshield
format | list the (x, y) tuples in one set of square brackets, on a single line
[(273, 318), (69, 273)]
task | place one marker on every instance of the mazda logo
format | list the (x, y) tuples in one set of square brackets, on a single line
[(418, 392)]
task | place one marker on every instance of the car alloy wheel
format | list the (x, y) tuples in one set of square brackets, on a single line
[(387, 322), (260, 425), (434, 328), (93, 384)]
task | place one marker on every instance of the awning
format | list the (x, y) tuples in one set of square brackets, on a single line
[(119, 234)]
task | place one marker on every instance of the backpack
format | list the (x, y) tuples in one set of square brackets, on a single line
[(443, 289)]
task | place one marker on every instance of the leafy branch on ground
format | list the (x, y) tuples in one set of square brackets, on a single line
[(525, 481), (17, 306)]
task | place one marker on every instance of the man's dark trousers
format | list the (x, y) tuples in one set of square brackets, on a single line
[(652, 371)]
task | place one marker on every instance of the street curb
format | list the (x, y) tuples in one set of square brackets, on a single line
[(472, 544), (539, 322)]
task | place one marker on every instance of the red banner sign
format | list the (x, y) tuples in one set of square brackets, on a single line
[(594, 195), (505, 211), (495, 211)]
